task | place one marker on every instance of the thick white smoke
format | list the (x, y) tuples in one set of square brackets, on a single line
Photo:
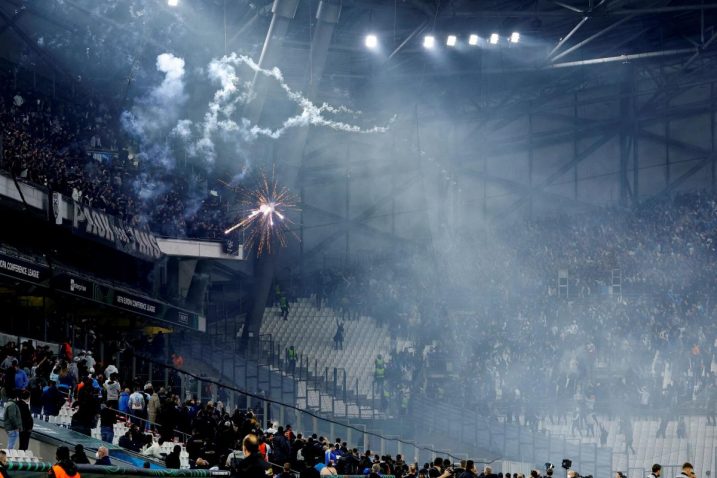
[(156, 114)]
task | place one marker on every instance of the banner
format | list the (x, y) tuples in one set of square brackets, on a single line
[(58, 208), (134, 303), (147, 307), (73, 285), (109, 229), (23, 270)]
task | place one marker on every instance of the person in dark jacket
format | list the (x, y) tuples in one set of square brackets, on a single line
[(280, 447), (172, 461), (253, 464), (64, 468), (52, 400), (471, 471), (79, 456), (27, 421)]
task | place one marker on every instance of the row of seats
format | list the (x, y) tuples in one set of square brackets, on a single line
[(22, 456), (698, 447), (312, 330)]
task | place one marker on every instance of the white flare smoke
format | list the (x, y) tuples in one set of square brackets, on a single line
[(233, 92)]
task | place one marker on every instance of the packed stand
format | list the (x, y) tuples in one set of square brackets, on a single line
[(78, 150), (498, 315)]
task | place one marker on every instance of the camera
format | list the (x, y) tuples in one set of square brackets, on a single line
[(567, 464), (549, 466)]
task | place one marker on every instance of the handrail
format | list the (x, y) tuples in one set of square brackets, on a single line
[(116, 470), (131, 417)]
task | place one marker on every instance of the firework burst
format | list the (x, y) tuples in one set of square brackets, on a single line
[(265, 220)]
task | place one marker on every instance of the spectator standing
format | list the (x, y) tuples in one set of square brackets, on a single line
[(123, 402), (10, 367), (108, 418), (112, 390), (284, 305), (12, 423), (153, 406), (52, 399), (21, 380), (27, 421), (137, 404)]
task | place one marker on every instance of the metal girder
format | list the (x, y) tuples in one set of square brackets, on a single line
[(700, 49), (593, 37), (516, 186), (603, 12), (702, 161), (355, 224), (10, 22), (557, 174), (568, 36), (687, 147), (34, 47)]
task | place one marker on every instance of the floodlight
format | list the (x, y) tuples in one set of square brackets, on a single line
[(429, 41), (451, 40), (473, 39), (514, 37), (494, 37), (172, 3), (371, 41)]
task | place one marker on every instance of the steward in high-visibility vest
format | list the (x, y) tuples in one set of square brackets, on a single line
[(380, 368), (64, 468)]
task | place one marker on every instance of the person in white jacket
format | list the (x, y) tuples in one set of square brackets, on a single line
[(153, 449)]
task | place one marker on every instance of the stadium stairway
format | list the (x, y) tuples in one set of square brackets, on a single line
[(698, 447), (311, 331)]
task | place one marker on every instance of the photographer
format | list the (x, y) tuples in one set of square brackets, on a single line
[(656, 471)]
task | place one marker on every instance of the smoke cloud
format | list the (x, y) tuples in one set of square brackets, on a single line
[(156, 114)]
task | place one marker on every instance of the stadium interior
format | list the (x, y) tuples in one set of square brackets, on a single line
[(401, 238)]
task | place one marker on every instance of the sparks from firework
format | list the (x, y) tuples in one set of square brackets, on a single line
[(265, 221)]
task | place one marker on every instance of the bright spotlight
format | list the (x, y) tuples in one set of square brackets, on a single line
[(451, 40), (473, 39), (172, 3), (371, 41), (429, 41), (494, 37), (514, 37)]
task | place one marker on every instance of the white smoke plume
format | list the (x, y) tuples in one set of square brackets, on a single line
[(232, 92), (157, 113)]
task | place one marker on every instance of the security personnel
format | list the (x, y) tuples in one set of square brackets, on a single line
[(64, 468), (379, 373), (291, 356)]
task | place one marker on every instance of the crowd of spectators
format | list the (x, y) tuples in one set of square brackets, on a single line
[(643, 344), (79, 150), (213, 436)]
